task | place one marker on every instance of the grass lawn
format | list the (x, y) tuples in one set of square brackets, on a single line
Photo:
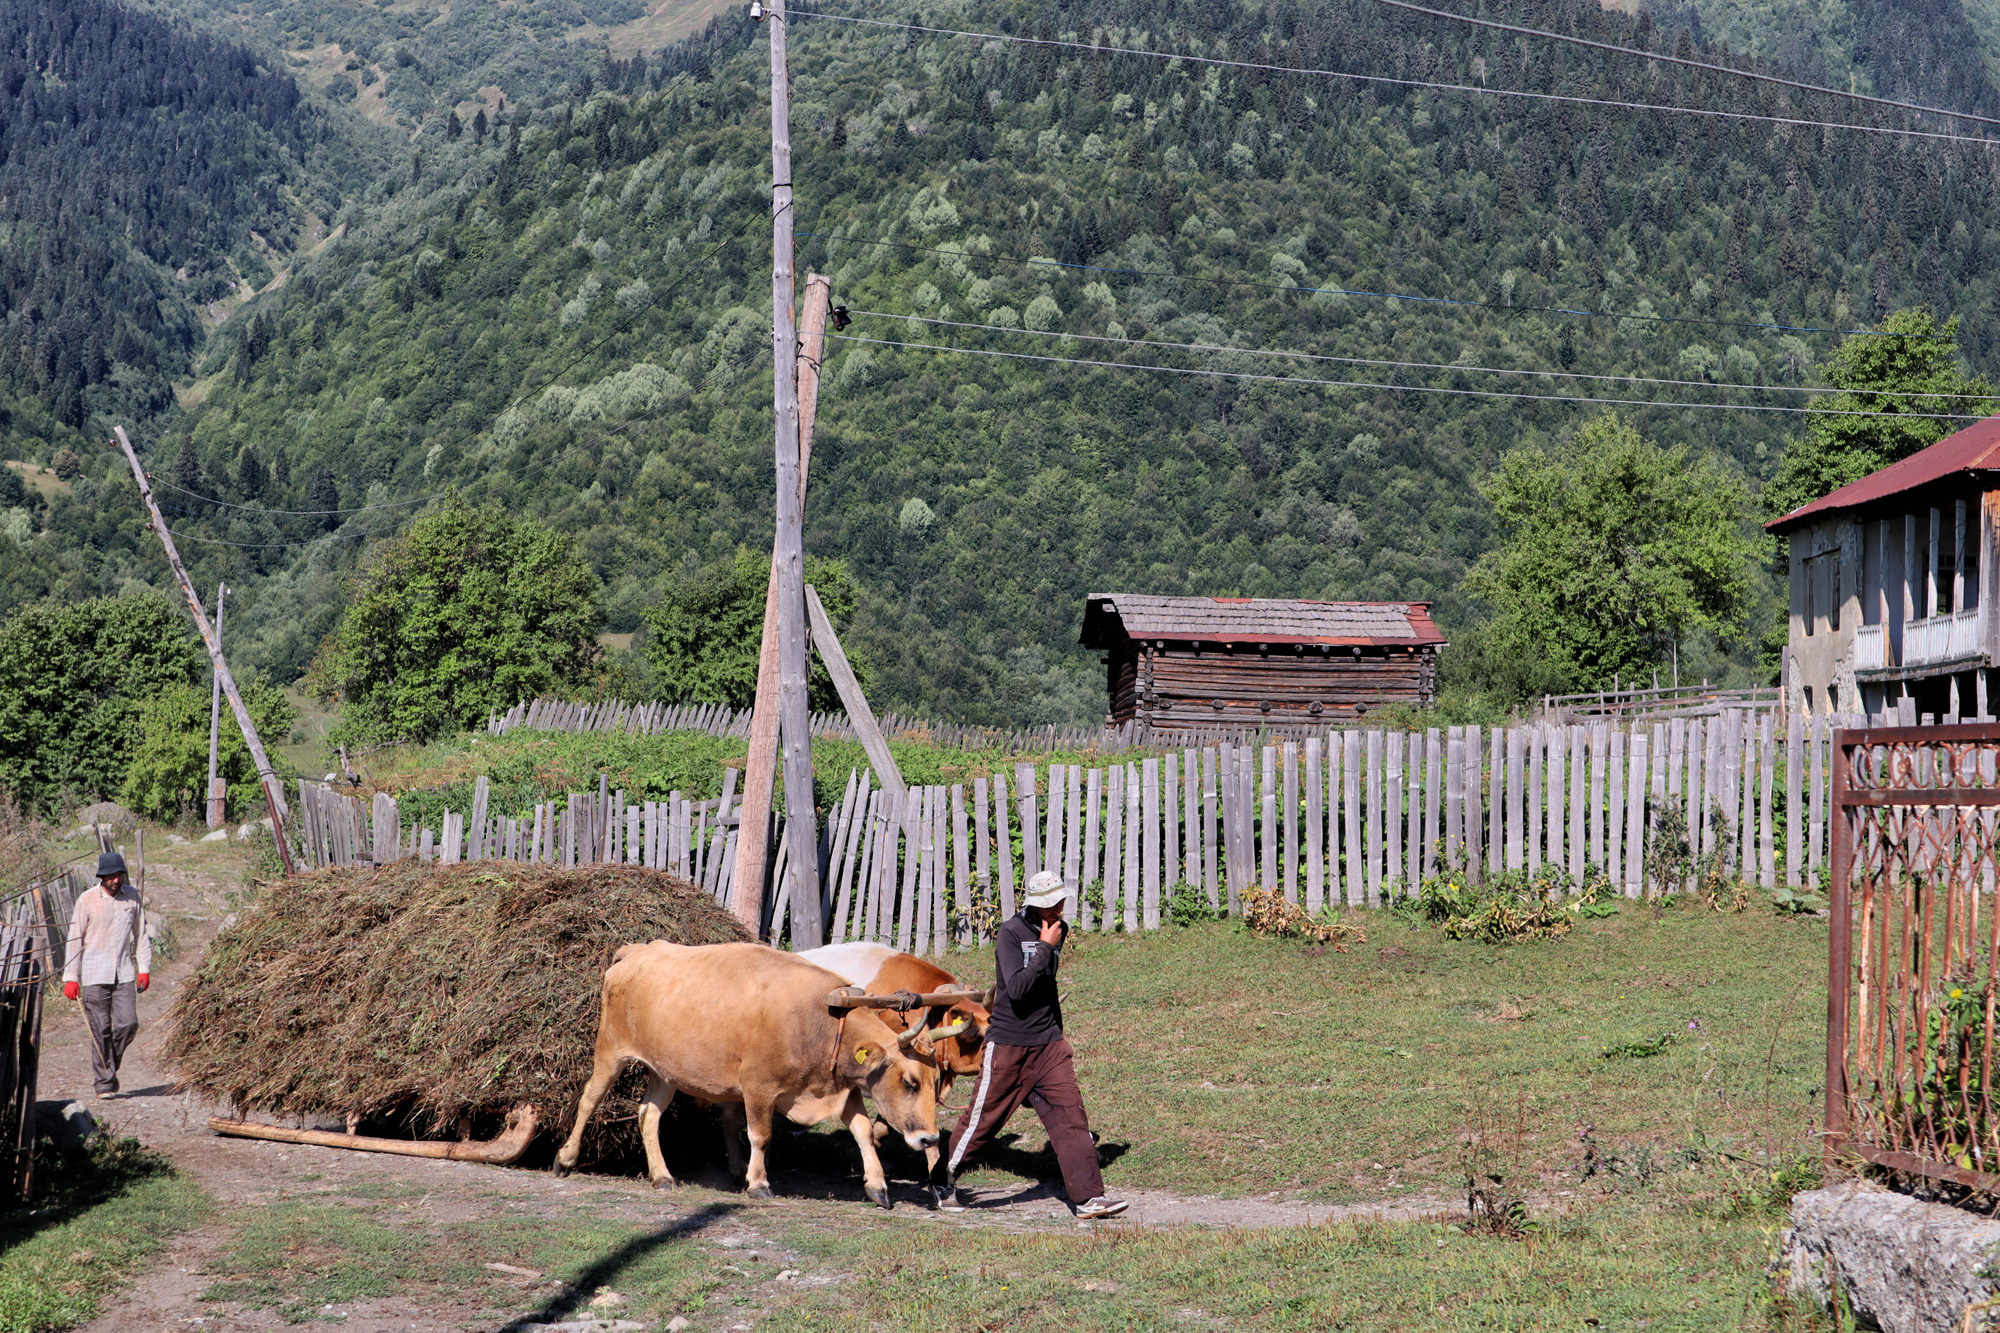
[(87, 1234), (1234, 1064), (1219, 1062)]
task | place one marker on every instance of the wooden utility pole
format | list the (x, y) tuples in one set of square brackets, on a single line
[(218, 791), (788, 554), (760, 767), (859, 714), (274, 791)]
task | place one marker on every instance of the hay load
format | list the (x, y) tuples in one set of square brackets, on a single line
[(421, 993)]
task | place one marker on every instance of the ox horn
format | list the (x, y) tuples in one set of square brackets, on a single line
[(910, 1036)]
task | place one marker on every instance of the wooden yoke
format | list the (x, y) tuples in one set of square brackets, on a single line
[(853, 997)]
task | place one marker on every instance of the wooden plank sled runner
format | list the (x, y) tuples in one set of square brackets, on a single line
[(853, 997), (504, 1150)]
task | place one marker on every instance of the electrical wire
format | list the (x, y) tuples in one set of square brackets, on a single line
[(1288, 354), (1691, 64), (1398, 388), (1570, 99), (1345, 291)]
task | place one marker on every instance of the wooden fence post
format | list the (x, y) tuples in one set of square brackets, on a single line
[(1433, 782), (1289, 850), (982, 854), (1131, 868), (1315, 833), (1374, 798), (1210, 878), (1392, 813)]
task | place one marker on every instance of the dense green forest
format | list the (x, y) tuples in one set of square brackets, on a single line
[(567, 312), (145, 171)]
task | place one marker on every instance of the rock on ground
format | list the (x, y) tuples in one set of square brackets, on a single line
[(1907, 1265)]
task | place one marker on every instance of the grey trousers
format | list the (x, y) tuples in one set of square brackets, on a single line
[(112, 1014)]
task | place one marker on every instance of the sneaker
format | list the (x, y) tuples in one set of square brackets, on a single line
[(1100, 1207), (946, 1199)]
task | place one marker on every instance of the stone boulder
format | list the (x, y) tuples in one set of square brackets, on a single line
[(1907, 1266), (66, 1124)]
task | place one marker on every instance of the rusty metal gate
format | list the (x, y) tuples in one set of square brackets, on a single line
[(1914, 951)]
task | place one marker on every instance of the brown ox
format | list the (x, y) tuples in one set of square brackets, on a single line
[(880, 970), (746, 1027)]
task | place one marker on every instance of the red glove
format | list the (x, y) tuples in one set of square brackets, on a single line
[(145, 980), (70, 991)]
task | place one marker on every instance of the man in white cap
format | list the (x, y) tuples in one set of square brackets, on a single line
[(1027, 1060), (108, 961)]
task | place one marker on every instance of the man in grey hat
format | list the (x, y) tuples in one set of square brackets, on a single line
[(1026, 1059), (108, 962)]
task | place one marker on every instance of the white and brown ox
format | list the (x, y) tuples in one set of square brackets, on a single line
[(746, 1028), (958, 1030)]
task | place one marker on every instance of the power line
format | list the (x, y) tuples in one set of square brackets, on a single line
[(1346, 291), (1683, 60), (1422, 365), (1397, 388), (1797, 121)]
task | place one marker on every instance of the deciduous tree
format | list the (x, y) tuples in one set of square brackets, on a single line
[(1612, 550), (470, 611)]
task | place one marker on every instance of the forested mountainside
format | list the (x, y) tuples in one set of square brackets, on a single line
[(569, 314), (146, 170), (411, 62), (1938, 52)]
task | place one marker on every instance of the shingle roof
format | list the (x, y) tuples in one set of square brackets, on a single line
[(1974, 449), (1109, 617)]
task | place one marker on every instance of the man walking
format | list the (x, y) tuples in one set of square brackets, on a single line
[(1027, 1060), (108, 961)]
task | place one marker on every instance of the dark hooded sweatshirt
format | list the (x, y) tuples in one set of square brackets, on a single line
[(1026, 1009)]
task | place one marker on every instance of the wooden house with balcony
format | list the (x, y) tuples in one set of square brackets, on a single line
[(1892, 586), (1207, 664)]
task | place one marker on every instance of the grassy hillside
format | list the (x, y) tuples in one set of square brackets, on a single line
[(571, 315)]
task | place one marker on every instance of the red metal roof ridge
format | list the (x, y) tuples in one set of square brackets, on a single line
[(1336, 640), (1972, 449), (1241, 601)]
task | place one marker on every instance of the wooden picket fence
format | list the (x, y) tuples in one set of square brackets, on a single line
[(649, 719), (34, 928), (1356, 818)]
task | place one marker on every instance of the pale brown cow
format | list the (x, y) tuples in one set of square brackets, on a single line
[(747, 1028)]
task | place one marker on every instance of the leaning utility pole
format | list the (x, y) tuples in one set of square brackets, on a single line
[(274, 790), (218, 790), (788, 553), (760, 767)]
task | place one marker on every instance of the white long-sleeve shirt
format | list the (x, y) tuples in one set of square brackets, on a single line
[(107, 938)]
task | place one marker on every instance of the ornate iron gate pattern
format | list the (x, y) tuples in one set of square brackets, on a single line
[(1911, 963)]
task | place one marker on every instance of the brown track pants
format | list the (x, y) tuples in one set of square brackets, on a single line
[(1045, 1078)]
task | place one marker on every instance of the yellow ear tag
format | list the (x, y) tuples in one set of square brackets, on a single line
[(861, 1055)]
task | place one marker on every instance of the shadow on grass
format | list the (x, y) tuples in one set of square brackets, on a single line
[(68, 1185), (603, 1272)]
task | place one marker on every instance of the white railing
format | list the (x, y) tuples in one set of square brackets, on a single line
[(1941, 638), (1871, 647)]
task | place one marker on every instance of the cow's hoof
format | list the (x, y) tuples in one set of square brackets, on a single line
[(559, 1170), (759, 1191), (666, 1183), (878, 1196)]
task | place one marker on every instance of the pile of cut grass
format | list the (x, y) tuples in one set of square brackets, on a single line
[(420, 993)]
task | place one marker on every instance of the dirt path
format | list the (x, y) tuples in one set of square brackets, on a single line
[(190, 885)]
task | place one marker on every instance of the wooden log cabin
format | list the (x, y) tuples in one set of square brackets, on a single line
[(1893, 586), (1222, 663)]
